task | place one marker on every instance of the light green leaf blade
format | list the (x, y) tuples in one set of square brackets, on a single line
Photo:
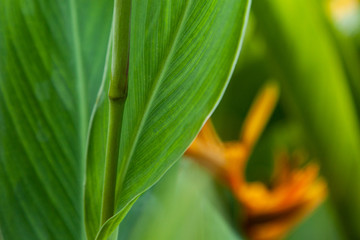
[(183, 205), (52, 57), (182, 54)]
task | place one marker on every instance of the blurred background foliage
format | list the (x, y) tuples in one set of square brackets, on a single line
[(312, 48)]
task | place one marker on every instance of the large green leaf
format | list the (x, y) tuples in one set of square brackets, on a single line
[(182, 54), (314, 80), (52, 57)]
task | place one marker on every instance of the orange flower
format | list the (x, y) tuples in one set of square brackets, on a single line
[(269, 212)]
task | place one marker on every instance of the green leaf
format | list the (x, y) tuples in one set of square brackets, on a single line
[(52, 56), (321, 224), (182, 54), (314, 81), (349, 56), (183, 205)]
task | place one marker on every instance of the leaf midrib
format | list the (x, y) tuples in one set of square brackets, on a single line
[(82, 110)]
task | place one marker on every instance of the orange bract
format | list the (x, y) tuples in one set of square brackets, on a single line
[(269, 212)]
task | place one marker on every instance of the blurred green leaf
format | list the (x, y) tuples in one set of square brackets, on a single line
[(181, 57), (183, 205), (51, 61), (315, 85), (320, 225), (349, 56)]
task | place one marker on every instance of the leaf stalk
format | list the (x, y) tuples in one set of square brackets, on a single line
[(117, 97)]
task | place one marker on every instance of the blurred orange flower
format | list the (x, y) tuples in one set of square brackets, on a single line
[(269, 212)]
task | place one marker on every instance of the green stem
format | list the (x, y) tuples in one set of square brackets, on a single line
[(117, 98), (112, 153), (121, 49)]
